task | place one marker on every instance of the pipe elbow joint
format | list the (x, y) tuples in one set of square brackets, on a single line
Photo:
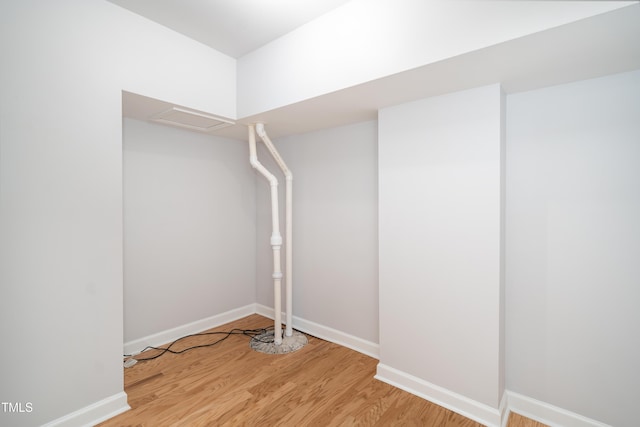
[(260, 130)]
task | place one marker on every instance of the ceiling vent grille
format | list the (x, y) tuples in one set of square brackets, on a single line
[(193, 120)]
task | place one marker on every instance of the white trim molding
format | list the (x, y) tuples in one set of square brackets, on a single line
[(326, 333), (547, 414), (95, 413), (455, 402), (170, 335), (503, 409)]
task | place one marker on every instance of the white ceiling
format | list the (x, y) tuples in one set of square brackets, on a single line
[(233, 27)]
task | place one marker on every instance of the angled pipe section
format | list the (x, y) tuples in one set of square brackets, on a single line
[(276, 238), (288, 226)]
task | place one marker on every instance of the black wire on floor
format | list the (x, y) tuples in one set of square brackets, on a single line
[(252, 333)]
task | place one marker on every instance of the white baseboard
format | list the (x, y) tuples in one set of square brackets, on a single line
[(170, 335), (504, 410), (455, 402), (94, 413), (546, 413), (326, 333)]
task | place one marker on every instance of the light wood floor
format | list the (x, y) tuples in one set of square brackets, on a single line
[(322, 384), (517, 420)]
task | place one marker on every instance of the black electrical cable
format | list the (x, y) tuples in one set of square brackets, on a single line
[(252, 333)]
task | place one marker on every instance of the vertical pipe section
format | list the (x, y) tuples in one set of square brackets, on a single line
[(276, 238), (289, 227)]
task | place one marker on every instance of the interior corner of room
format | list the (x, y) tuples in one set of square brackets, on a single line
[(465, 204)]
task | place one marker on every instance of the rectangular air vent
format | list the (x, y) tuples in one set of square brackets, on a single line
[(193, 120)]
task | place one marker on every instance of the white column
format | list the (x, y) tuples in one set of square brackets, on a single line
[(440, 246)]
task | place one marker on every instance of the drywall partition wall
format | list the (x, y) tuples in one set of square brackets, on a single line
[(189, 221), (64, 65), (335, 281), (364, 40), (573, 242), (156, 62), (440, 176)]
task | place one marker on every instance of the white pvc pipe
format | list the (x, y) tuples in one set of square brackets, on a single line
[(289, 227), (276, 238)]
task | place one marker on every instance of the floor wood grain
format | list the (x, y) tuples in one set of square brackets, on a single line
[(517, 420), (322, 384)]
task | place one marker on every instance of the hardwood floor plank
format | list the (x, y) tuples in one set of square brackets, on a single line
[(517, 420), (322, 384)]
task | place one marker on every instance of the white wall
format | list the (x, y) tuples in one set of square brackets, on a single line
[(189, 221), (440, 174), (364, 40), (573, 246), (335, 228), (64, 65)]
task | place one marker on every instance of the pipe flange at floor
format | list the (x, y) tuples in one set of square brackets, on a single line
[(263, 343)]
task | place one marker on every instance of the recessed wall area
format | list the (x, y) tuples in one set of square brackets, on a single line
[(335, 199), (189, 227)]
